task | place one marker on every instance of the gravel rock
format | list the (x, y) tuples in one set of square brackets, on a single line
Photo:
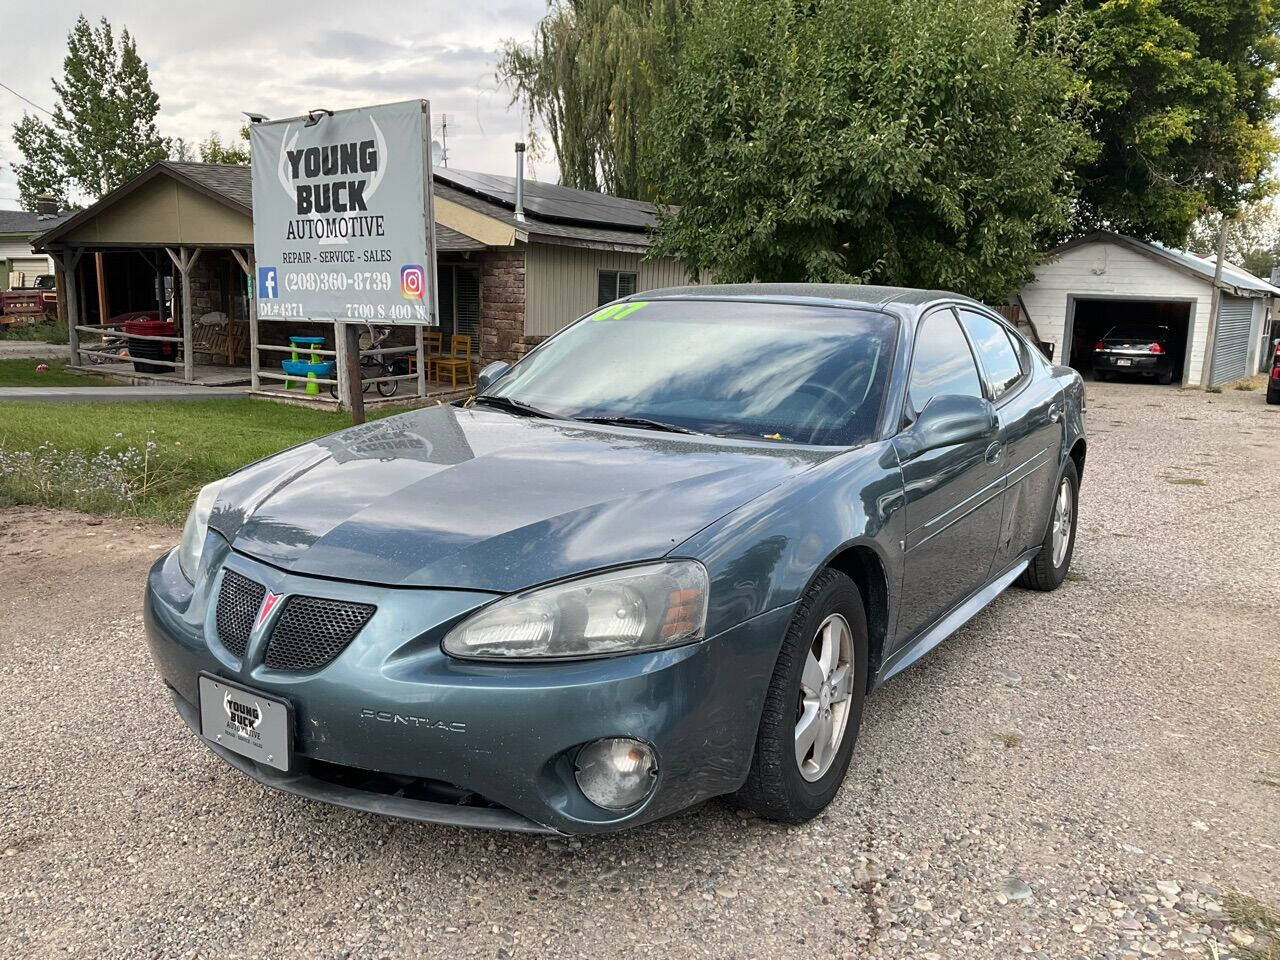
[(1147, 701)]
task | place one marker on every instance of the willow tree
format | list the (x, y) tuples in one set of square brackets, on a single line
[(592, 76)]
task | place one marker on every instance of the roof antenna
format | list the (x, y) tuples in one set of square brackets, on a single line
[(520, 182)]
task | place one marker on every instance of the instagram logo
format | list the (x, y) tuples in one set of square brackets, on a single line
[(413, 281)]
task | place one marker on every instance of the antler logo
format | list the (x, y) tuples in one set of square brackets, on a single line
[(244, 716)]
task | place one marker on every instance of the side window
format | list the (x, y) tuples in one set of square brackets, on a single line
[(942, 363), (999, 358)]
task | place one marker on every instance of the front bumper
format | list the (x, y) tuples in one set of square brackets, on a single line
[(500, 738)]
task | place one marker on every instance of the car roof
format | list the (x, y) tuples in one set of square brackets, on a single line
[(827, 294)]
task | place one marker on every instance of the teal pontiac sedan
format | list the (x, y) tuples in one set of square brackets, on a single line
[(662, 558)]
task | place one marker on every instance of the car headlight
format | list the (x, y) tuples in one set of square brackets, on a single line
[(195, 529), (623, 611)]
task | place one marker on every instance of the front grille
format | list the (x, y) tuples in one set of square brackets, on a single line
[(312, 631), (239, 600)]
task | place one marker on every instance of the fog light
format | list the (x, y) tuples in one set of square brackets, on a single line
[(616, 773)]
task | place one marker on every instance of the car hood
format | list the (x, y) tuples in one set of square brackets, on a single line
[(482, 499)]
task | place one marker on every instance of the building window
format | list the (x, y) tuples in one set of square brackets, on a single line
[(614, 285), (460, 302)]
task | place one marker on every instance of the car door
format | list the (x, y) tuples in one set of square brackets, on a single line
[(952, 494), (1029, 410)]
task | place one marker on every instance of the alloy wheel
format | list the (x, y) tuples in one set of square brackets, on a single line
[(1062, 512), (826, 684)]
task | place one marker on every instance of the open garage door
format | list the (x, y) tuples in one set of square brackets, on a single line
[(1092, 319), (1231, 340)]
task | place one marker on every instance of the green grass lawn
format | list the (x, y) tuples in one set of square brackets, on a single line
[(142, 459), (47, 332), (22, 373)]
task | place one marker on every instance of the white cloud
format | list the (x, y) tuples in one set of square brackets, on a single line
[(211, 61)]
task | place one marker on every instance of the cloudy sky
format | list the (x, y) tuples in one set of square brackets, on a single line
[(211, 60)]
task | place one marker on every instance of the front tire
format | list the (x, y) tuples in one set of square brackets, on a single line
[(813, 708), (1050, 565)]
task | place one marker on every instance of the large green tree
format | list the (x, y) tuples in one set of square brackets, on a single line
[(919, 142), (102, 131), (592, 75), (1182, 110)]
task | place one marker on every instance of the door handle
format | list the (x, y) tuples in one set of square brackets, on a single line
[(993, 452), (1054, 413)]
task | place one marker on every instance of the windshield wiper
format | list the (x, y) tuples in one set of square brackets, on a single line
[(513, 405), (637, 422)]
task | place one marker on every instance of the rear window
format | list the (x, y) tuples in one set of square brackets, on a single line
[(1137, 331)]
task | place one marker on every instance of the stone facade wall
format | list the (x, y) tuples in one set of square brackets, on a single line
[(502, 306), (206, 284)]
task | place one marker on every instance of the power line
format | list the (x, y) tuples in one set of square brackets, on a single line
[(26, 100)]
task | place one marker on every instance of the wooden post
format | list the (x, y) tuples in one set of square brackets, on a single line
[(184, 261), (422, 360), (246, 261), (340, 364), (355, 389), (70, 260), (104, 310)]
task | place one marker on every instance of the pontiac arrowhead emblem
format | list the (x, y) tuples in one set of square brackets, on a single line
[(268, 604)]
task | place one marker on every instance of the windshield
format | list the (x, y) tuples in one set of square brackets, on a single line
[(786, 372)]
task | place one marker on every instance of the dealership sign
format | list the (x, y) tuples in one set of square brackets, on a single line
[(342, 217)]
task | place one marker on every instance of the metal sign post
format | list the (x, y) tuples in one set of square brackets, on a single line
[(343, 223)]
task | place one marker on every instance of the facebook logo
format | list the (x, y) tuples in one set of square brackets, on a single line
[(267, 287)]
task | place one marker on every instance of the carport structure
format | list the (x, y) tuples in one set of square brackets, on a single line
[(1098, 281), (176, 241)]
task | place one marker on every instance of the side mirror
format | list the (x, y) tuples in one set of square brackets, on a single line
[(947, 421), (492, 373)]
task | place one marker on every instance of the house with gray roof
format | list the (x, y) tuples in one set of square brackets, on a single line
[(507, 278), (19, 264)]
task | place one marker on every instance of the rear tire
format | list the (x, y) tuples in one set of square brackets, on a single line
[(1102, 376), (1050, 565), (1166, 378), (793, 779)]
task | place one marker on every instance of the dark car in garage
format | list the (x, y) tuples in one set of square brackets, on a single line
[(663, 557), (1139, 349)]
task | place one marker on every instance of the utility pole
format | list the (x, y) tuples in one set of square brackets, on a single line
[(1206, 368)]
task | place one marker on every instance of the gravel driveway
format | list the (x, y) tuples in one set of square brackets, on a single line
[(1088, 773)]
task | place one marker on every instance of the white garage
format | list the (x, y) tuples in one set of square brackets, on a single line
[(1089, 285)]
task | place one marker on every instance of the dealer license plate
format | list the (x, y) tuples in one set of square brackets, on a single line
[(1124, 363), (248, 722)]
